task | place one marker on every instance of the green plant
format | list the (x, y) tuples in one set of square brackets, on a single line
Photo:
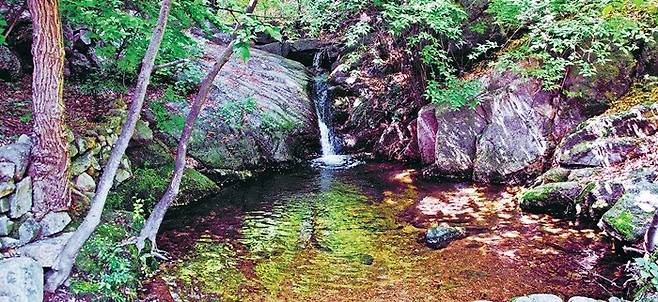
[(3, 24), (277, 125), (234, 113), (578, 36), (455, 92), (166, 121), (645, 274), (106, 271)]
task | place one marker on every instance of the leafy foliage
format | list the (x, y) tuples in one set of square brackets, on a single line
[(645, 275), (582, 36), (3, 24), (107, 271)]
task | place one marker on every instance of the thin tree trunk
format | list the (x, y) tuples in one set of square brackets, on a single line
[(651, 236), (152, 224), (65, 260), (50, 155)]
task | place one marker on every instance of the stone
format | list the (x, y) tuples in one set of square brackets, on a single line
[(629, 219), (54, 222), (280, 89), (602, 197), (28, 231), (142, 134), (439, 237), (73, 151), (583, 299), (6, 188), (121, 176), (514, 146), (6, 225), (21, 202), (85, 183), (17, 153), (81, 163), (538, 298), (45, 251), (557, 174), (456, 139), (558, 199), (4, 205), (8, 242), (426, 130), (22, 280), (10, 64), (7, 171), (609, 138)]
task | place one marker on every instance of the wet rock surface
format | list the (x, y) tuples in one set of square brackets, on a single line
[(440, 236)]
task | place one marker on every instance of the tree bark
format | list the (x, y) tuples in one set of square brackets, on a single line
[(152, 224), (65, 260), (50, 156), (651, 236)]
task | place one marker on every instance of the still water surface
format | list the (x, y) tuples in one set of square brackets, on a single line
[(356, 235)]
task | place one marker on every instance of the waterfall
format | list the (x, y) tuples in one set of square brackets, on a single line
[(322, 108), (331, 157)]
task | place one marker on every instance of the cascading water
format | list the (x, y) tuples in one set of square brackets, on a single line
[(331, 157), (322, 104)]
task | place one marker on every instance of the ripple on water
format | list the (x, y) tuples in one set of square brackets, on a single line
[(353, 235)]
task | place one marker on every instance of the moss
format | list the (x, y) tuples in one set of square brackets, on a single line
[(623, 224), (149, 184), (580, 199), (536, 194)]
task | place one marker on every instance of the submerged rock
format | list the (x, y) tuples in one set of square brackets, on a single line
[(439, 237)]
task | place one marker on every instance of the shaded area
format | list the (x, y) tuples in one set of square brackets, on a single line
[(354, 235)]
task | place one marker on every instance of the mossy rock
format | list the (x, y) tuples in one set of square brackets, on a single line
[(557, 174), (558, 199), (153, 167), (630, 217)]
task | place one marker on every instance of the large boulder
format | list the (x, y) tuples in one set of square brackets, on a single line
[(514, 144), (21, 280), (609, 139), (456, 138), (630, 217), (558, 199), (258, 112)]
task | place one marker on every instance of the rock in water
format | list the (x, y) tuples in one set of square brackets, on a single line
[(21, 280), (558, 199), (630, 217), (439, 237)]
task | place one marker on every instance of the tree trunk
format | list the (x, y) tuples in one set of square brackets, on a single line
[(651, 236), (50, 156), (65, 260), (152, 224)]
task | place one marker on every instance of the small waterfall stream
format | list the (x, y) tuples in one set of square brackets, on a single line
[(331, 157)]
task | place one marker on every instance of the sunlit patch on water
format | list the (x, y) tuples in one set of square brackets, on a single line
[(353, 235)]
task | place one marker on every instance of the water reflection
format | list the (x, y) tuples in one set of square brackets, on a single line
[(352, 235)]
